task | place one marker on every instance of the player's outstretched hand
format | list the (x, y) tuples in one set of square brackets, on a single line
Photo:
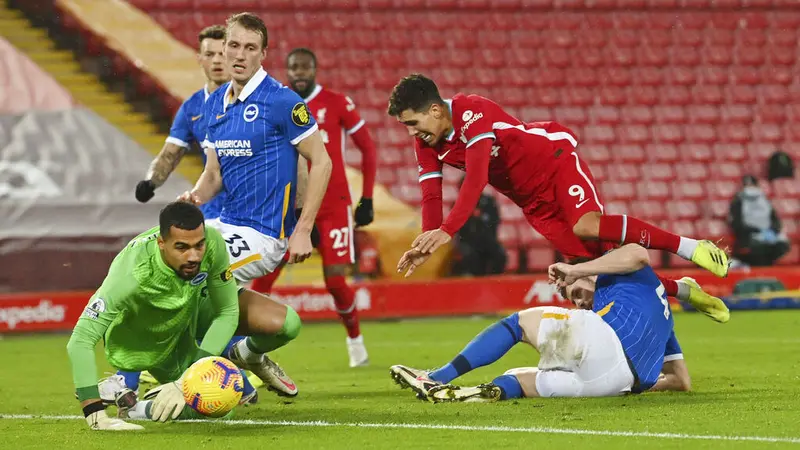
[(411, 260), (562, 274), (430, 241), (100, 421), (190, 197), (145, 190), (299, 246), (365, 214), (169, 402)]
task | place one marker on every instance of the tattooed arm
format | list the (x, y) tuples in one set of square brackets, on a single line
[(166, 161), (163, 165)]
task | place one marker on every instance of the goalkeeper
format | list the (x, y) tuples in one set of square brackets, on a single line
[(168, 288)]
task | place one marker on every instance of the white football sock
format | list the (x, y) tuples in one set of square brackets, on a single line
[(246, 354), (139, 411), (683, 291), (686, 248), (356, 340)]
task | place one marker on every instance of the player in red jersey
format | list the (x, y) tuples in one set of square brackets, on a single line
[(337, 117), (535, 165)]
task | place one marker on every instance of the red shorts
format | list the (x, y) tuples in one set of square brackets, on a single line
[(570, 195), (335, 226)]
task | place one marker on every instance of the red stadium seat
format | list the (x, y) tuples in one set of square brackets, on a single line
[(763, 132), (624, 172), (686, 210), (653, 190), (692, 171), (703, 114), (670, 134), (723, 189), (649, 210), (658, 171), (688, 190), (633, 134), (695, 152), (661, 152), (729, 170), (742, 114), (594, 154), (599, 134), (786, 188), (740, 94), (604, 115), (700, 134), (636, 115), (630, 153), (734, 133), (669, 114), (512, 260)]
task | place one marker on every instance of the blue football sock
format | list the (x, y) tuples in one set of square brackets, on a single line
[(248, 387), (234, 341), (131, 379), (489, 346), (509, 387)]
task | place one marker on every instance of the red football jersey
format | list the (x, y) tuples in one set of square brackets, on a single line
[(337, 117), (524, 156)]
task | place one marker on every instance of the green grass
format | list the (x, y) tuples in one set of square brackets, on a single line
[(745, 383)]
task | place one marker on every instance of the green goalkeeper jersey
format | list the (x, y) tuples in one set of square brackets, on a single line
[(147, 315)]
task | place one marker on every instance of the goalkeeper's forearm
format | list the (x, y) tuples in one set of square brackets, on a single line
[(223, 327), (80, 350)]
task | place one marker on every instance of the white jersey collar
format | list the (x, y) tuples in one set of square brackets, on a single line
[(251, 86), (450, 108)]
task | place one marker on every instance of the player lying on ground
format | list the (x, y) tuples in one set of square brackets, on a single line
[(337, 117), (537, 166), (623, 342), (256, 128), (168, 288)]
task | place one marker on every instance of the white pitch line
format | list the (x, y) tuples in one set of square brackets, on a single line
[(423, 426)]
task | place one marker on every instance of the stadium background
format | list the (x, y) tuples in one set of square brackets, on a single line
[(672, 100)]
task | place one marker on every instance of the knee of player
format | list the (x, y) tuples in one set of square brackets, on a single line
[(334, 277), (292, 323), (588, 226)]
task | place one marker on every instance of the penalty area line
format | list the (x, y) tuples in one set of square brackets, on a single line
[(423, 426)]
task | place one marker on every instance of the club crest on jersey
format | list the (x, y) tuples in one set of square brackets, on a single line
[(300, 115), (250, 113), (199, 278), (321, 115), (96, 307), (227, 275)]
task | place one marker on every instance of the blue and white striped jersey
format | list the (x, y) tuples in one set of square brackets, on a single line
[(254, 136), (635, 306), (189, 126)]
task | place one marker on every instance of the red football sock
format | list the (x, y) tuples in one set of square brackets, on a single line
[(345, 300), (265, 283), (630, 230), (670, 286)]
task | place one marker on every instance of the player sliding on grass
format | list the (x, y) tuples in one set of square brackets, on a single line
[(623, 343), (536, 165), (169, 287)]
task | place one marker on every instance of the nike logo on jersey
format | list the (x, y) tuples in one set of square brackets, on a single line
[(581, 203), (195, 118), (441, 157), (219, 116), (341, 253)]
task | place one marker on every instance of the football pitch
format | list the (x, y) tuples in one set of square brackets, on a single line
[(746, 394)]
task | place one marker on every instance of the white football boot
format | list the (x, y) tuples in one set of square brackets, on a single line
[(415, 379), (446, 393), (268, 371), (357, 352)]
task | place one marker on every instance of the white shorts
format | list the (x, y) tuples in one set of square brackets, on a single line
[(581, 356), (252, 254)]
